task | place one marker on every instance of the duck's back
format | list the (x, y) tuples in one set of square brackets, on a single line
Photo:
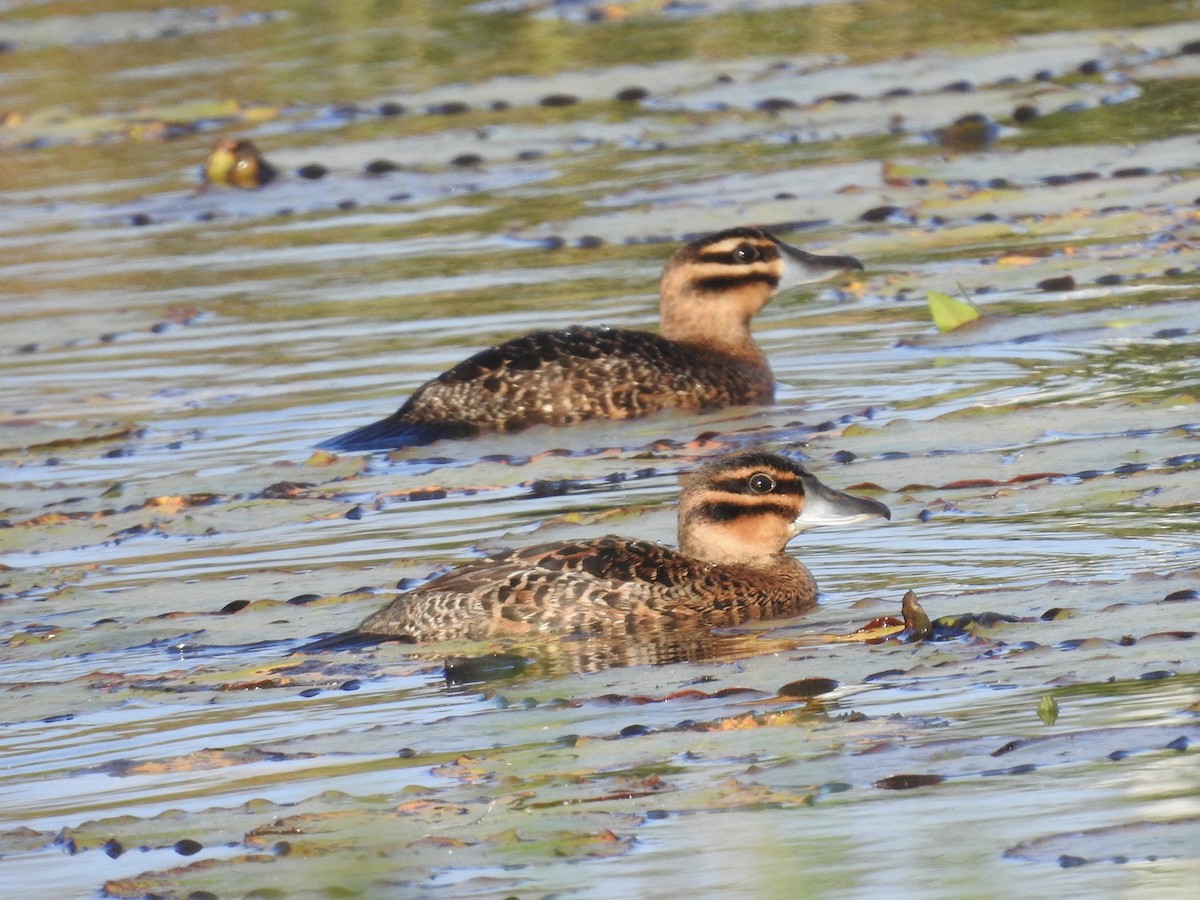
[(565, 377), (606, 585)]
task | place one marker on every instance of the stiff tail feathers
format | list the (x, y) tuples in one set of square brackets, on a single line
[(347, 640), (390, 434)]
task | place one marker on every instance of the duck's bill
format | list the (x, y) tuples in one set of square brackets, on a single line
[(803, 267), (825, 506)]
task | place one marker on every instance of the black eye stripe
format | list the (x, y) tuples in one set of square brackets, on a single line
[(740, 485), (728, 512), (765, 253)]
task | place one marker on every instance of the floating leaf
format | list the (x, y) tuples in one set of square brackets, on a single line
[(950, 313), (1047, 709)]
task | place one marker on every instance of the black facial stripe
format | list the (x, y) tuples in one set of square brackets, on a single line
[(766, 253), (719, 284), (728, 512), (736, 485)]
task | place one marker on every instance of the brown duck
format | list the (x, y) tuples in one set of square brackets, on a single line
[(237, 162), (705, 357), (736, 514)]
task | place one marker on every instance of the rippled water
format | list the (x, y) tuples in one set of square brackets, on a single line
[(170, 357)]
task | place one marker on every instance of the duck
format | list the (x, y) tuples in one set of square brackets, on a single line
[(736, 515), (237, 163), (704, 358)]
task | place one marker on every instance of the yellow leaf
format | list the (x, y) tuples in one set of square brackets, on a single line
[(950, 313)]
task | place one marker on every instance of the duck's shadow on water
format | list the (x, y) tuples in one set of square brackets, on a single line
[(573, 654), (578, 655)]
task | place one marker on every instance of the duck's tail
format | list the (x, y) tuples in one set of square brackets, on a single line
[(392, 433), (347, 640)]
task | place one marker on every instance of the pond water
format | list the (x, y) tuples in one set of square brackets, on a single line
[(171, 356)]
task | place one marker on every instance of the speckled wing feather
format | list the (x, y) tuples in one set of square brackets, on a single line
[(565, 377), (598, 585)]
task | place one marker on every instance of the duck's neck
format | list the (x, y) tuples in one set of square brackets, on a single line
[(709, 322)]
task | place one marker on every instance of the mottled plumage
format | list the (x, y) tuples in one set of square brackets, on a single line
[(705, 357), (736, 514)]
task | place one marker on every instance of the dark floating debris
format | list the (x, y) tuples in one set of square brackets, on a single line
[(631, 94), (1178, 596), (844, 97), (558, 100), (390, 108), (1060, 283), (808, 687), (1132, 172), (450, 108), (313, 171), (1026, 112), (1057, 613), (879, 213), (381, 167), (465, 160), (233, 606), (1059, 180), (775, 104), (907, 782), (187, 847)]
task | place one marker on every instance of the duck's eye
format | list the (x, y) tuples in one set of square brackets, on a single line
[(761, 483), (746, 253)]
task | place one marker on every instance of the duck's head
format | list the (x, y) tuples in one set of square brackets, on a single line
[(712, 287), (743, 509)]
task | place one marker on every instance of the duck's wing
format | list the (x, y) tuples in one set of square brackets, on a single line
[(592, 585), (561, 378)]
